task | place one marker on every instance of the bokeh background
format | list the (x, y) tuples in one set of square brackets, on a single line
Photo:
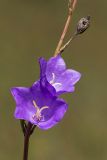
[(30, 29)]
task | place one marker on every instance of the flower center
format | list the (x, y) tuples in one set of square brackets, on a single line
[(53, 83), (38, 115)]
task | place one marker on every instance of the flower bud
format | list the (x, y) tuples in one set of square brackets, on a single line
[(83, 24)]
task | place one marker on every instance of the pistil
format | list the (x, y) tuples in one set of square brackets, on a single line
[(38, 115), (53, 83), (53, 79)]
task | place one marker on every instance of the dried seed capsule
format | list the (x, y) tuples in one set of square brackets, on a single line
[(83, 24)]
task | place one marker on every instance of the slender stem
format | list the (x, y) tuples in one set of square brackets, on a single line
[(67, 43), (71, 6), (26, 141), (23, 126), (32, 129)]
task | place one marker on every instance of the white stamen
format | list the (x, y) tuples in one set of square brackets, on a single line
[(53, 79), (38, 115), (57, 85), (53, 83)]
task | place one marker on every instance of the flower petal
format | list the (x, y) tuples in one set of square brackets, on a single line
[(24, 106), (55, 65), (47, 86), (43, 65), (23, 112), (43, 80), (59, 107), (67, 80), (20, 94)]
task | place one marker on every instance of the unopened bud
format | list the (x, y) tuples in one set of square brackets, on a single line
[(83, 24)]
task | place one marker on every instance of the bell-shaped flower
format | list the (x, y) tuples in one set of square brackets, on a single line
[(62, 79), (37, 105)]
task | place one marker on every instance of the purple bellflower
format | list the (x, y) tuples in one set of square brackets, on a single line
[(62, 79), (39, 106)]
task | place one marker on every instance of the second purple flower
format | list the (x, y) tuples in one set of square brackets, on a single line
[(62, 79)]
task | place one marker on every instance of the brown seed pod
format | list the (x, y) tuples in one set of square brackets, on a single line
[(83, 24)]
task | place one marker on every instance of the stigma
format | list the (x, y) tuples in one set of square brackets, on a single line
[(53, 79), (38, 114), (53, 83)]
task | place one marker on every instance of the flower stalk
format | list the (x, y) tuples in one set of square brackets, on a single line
[(26, 141), (71, 7), (67, 43), (23, 126), (82, 26)]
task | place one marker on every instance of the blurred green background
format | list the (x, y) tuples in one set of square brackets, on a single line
[(30, 29)]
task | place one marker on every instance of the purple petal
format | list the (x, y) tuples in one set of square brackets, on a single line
[(55, 65), (24, 106), (67, 80), (23, 112), (43, 80), (20, 94), (47, 86), (40, 94), (43, 65), (58, 109)]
